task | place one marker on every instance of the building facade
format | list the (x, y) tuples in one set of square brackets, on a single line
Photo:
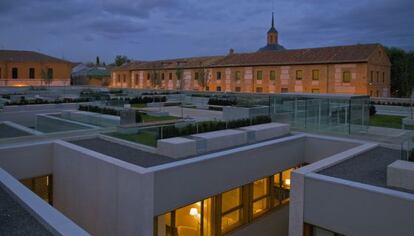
[(27, 68), (355, 69)]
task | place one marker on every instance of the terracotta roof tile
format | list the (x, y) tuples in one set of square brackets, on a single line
[(28, 56)]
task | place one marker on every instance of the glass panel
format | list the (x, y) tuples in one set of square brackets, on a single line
[(187, 220), (230, 199), (231, 220), (286, 178), (260, 206), (164, 225), (207, 217), (260, 188)]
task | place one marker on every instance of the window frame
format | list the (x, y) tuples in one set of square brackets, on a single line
[(259, 75), (218, 75), (315, 75), (299, 74), (344, 77), (272, 75)]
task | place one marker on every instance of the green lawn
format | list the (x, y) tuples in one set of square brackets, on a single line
[(145, 138), (147, 118), (386, 121)]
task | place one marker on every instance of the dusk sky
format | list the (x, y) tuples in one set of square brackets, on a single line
[(80, 30)]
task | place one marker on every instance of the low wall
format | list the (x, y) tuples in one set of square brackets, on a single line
[(50, 124), (92, 118), (237, 113)]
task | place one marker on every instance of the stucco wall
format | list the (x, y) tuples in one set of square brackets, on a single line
[(355, 209), (103, 195)]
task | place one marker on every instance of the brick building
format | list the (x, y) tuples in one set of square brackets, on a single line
[(362, 69), (27, 68)]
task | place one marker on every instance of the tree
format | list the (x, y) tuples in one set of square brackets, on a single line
[(97, 61), (202, 79), (120, 60), (155, 78), (179, 75), (46, 76), (402, 71)]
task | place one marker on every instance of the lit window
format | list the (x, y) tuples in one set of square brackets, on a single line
[(259, 75), (231, 209), (299, 74), (315, 74), (261, 199), (281, 184), (41, 186), (346, 77), (272, 75)]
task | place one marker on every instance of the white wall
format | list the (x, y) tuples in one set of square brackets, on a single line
[(103, 195), (37, 159), (350, 208), (198, 178)]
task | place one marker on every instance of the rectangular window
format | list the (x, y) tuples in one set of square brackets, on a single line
[(15, 73), (238, 89), (218, 89), (281, 187), (218, 75), (346, 77), (0, 73), (148, 76), (377, 76), (299, 74), (272, 75), (170, 76), (261, 197), (31, 73), (238, 75), (259, 75), (196, 75), (50, 73), (284, 90), (315, 74), (371, 79), (124, 78), (231, 209), (259, 90), (383, 77), (315, 91), (136, 79), (119, 78), (162, 76)]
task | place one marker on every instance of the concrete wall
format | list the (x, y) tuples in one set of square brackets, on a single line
[(37, 159), (26, 115), (103, 195), (51, 124), (273, 224), (320, 147), (232, 169), (351, 208)]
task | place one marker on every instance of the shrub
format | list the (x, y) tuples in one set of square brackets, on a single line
[(221, 102), (372, 110)]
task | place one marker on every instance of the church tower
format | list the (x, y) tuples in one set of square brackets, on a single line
[(272, 34), (272, 39)]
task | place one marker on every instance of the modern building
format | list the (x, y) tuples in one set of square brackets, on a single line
[(362, 69), (365, 191), (28, 68)]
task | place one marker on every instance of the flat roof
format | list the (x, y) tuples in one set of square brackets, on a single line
[(367, 168), (16, 220), (7, 131), (123, 152)]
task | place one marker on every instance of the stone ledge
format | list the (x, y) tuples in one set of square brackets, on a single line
[(400, 174), (177, 147)]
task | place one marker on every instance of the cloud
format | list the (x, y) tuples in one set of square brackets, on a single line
[(174, 28)]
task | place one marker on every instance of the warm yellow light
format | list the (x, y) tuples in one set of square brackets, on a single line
[(287, 182), (194, 212), (198, 204), (20, 85)]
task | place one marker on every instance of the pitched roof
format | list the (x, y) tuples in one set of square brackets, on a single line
[(192, 62), (338, 54), (27, 56)]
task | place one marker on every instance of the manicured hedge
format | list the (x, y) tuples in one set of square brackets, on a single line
[(108, 111), (145, 100), (208, 126), (23, 101), (221, 102)]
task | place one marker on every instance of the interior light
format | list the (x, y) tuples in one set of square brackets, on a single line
[(194, 212), (287, 182)]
